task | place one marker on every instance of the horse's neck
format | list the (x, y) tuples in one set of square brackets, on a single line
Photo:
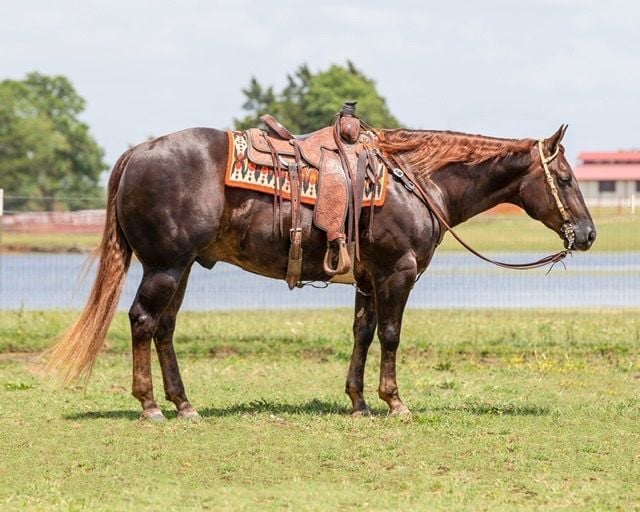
[(470, 190)]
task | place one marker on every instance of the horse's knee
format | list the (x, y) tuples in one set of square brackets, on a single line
[(389, 335)]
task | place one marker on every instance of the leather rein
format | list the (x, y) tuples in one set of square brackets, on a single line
[(413, 185)]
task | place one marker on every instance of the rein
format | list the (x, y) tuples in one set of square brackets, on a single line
[(413, 185)]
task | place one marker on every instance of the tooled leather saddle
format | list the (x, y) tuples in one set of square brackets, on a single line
[(343, 155)]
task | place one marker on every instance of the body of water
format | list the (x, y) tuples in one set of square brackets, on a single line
[(454, 280)]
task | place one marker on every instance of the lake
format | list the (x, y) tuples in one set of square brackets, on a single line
[(454, 280)]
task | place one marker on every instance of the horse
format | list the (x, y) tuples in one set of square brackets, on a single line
[(168, 204)]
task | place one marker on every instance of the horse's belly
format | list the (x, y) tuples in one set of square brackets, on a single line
[(262, 250)]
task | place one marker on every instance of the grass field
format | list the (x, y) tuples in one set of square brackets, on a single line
[(617, 231), (513, 410), (49, 242)]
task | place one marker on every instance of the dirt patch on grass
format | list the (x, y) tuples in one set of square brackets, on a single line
[(18, 356), (223, 352)]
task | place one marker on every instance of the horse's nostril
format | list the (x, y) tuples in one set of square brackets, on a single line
[(592, 235)]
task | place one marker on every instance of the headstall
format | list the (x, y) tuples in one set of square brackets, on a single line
[(567, 227)]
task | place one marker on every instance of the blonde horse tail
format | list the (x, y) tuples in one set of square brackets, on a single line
[(74, 353)]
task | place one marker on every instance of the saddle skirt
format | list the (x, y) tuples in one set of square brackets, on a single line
[(250, 166)]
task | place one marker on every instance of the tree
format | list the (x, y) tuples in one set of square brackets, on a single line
[(309, 101), (46, 152)]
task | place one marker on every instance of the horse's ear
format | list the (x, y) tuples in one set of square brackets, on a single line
[(555, 139)]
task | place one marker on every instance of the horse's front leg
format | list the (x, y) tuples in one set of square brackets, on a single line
[(392, 292), (364, 326)]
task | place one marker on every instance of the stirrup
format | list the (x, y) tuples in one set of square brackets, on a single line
[(344, 262)]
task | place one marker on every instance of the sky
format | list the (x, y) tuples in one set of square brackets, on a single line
[(494, 67)]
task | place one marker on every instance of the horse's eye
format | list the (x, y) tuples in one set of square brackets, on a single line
[(564, 180)]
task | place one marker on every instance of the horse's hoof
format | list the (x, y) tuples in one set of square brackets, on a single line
[(361, 413), (154, 415), (401, 411), (189, 415)]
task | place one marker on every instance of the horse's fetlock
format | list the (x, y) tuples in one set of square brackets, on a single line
[(387, 392), (138, 393), (352, 389)]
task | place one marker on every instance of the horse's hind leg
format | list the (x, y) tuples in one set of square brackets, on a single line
[(155, 293), (163, 338), (364, 326)]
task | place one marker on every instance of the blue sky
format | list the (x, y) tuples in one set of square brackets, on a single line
[(501, 68)]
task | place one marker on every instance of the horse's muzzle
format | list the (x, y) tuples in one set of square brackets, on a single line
[(585, 235)]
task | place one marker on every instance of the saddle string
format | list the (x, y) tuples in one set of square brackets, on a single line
[(372, 168), (415, 187), (352, 221), (277, 195)]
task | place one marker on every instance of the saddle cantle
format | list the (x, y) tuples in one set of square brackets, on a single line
[(342, 157)]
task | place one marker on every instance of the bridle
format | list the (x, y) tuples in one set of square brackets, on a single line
[(566, 228), (412, 185)]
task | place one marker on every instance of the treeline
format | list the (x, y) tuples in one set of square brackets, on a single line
[(50, 161)]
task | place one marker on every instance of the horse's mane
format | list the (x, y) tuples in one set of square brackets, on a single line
[(428, 151)]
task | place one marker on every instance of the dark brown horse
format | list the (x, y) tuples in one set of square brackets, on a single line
[(168, 205)]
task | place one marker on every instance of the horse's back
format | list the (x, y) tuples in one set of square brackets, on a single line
[(170, 196)]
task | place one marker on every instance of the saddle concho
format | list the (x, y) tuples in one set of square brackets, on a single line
[(243, 173)]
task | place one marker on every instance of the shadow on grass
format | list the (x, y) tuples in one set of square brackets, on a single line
[(312, 407), (100, 415), (321, 408), (500, 409)]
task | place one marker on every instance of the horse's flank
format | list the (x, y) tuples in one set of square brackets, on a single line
[(428, 151)]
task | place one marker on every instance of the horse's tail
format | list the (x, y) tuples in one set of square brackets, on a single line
[(75, 352)]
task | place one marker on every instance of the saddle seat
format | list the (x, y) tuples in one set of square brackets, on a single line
[(310, 147)]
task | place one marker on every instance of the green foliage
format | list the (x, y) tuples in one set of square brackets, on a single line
[(309, 101), (45, 150)]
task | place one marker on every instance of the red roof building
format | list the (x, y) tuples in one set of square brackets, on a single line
[(613, 175)]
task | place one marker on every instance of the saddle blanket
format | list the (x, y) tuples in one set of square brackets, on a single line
[(243, 173)]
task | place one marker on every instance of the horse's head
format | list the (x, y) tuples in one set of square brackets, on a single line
[(549, 193)]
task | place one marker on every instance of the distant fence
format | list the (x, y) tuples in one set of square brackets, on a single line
[(39, 266), (629, 204), (83, 221)]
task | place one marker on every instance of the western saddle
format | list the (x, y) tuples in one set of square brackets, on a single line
[(343, 156)]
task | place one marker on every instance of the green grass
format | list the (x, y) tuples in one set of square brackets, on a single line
[(49, 242), (513, 410), (617, 231)]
